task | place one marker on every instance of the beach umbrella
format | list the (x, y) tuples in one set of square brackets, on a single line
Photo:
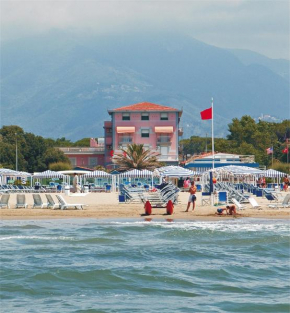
[(97, 174), (174, 171), (131, 173), (48, 174), (273, 173)]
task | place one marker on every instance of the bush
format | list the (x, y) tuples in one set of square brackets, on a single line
[(60, 166)]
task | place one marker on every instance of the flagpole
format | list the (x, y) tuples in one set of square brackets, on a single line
[(212, 137), (272, 154)]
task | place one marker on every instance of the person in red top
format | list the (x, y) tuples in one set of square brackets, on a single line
[(192, 197), (286, 183), (263, 182)]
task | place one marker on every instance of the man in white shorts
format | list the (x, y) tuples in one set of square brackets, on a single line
[(192, 197)]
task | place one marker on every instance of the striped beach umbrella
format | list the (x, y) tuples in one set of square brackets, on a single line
[(48, 174), (97, 174), (270, 173), (173, 171)]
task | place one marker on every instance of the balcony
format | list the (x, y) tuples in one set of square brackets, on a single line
[(82, 150), (163, 140), (125, 140), (180, 131)]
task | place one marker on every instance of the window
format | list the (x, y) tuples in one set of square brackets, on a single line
[(126, 116), (145, 116), (145, 133), (73, 161), (164, 116), (93, 161)]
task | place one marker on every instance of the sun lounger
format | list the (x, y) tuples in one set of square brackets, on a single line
[(283, 204), (254, 203), (4, 202), (38, 202), (20, 201), (238, 204), (64, 205), (50, 203)]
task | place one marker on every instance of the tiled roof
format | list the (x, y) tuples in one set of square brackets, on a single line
[(145, 106)]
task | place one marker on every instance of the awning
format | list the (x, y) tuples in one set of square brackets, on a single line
[(122, 130), (164, 129)]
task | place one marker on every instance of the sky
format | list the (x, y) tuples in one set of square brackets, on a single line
[(258, 25)]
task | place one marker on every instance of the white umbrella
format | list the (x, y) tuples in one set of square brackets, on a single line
[(98, 174)]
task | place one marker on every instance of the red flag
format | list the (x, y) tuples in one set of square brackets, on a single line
[(206, 114), (285, 150), (111, 153)]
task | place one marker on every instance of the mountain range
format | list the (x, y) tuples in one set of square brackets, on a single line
[(61, 85)]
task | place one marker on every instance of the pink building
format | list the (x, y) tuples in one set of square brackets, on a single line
[(88, 157), (155, 126)]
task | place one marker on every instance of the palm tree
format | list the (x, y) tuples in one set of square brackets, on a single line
[(136, 157)]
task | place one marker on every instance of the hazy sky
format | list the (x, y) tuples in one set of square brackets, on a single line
[(257, 25)]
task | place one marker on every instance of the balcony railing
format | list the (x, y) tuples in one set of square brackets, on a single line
[(123, 140), (163, 139), (100, 148)]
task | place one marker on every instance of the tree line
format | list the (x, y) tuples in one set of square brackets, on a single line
[(248, 137), (35, 153)]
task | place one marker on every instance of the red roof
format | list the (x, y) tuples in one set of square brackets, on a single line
[(145, 106)]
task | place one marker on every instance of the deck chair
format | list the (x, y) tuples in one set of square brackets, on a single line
[(223, 197), (254, 203), (20, 201), (4, 202), (205, 198), (38, 202), (283, 204), (238, 204), (271, 197), (50, 202), (64, 205)]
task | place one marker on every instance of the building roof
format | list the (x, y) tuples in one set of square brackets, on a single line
[(145, 106)]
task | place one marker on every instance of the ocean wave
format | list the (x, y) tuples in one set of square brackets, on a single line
[(37, 238), (223, 226)]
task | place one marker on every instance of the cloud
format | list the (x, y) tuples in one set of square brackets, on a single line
[(262, 26)]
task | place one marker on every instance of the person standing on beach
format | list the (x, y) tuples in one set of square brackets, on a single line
[(286, 183), (192, 197), (75, 182)]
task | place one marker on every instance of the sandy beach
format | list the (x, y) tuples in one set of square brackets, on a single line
[(106, 205)]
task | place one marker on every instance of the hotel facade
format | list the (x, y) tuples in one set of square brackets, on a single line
[(155, 126)]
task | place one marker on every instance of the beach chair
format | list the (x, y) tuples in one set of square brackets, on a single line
[(271, 197), (205, 198), (283, 204), (50, 203), (4, 202), (222, 197), (238, 204), (64, 205), (254, 203), (20, 201), (38, 203)]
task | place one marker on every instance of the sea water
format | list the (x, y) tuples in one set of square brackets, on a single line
[(148, 265)]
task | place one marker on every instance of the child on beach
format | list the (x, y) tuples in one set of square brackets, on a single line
[(192, 197), (229, 210)]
